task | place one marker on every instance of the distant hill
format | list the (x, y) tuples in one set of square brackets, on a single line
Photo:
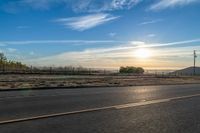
[(187, 71)]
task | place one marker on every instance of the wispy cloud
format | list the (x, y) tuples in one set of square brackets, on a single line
[(15, 6), (120, 4), (2, 44), (162, 4), (40, 4), (124, 54), (67, 42), (112, 34), (11, 50), (172, 43), (86, 22), (151, 35), (103, 5), (82, 42), (22, 27), (32, 53), (151, 21), (75, 5)]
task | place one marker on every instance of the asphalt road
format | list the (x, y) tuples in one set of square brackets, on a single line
[(142, 109)]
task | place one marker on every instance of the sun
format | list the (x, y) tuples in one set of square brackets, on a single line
[(143, 53)]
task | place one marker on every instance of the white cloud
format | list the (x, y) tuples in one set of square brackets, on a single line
[(103, 5), (22, 27), (112, 34), (151, 35), (151, 22), (67, 42), (2, 44), (82, 42), (11, 50), (137, 43), (32, 53), (113, 56), (173, 43), (162, 4), (75, 5), (41, 4), (120, 4), (86, 22)]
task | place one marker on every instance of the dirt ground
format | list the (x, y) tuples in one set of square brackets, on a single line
[(58, 81)]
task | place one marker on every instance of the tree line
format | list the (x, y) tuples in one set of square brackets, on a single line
[(16, 67), (10, 65)]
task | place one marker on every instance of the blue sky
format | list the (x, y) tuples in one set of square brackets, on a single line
[(100, 33)]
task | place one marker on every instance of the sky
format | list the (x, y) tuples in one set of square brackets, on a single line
[(154, 34)]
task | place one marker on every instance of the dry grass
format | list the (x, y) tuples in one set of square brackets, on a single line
[(56, 81)]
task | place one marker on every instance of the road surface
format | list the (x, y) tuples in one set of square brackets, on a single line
[(142, 109)]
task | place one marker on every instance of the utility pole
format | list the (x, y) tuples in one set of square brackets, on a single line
[(195, 56)]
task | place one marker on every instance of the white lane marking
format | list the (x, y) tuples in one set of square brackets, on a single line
[(54, 115), (154, 101), (121, 106), (141, 103)]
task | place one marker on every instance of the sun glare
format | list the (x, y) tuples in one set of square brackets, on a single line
[(143, 53)]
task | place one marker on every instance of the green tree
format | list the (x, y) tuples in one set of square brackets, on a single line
[(3, 60), (8, 65), (131, 69)]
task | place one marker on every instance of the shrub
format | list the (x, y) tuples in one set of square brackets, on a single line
[(131, 69)]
